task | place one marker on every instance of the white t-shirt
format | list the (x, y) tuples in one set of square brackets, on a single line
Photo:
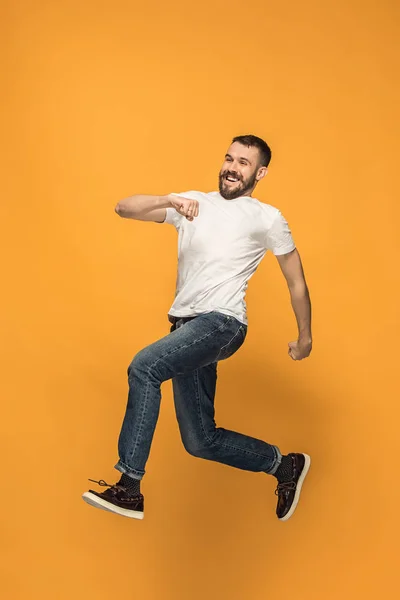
[(221, 249)]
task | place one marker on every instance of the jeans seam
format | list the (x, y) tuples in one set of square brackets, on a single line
[(140, 428), (229, 343)]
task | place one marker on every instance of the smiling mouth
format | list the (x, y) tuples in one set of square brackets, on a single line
[(231, 179)]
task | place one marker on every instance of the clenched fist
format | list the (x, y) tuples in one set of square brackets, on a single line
[(300, 349), (184, 206)]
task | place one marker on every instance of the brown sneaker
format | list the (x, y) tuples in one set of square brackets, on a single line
[(288, 492), (116, 499)]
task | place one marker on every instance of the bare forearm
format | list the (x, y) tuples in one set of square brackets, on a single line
[(140, 205), (301, 304)]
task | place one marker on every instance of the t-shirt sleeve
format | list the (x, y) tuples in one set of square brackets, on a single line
[(173, 218), (279, 237)]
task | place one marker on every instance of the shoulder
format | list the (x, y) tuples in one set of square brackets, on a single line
[(267, 212)]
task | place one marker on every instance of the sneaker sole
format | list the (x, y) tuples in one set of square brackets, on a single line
[(97, 502), (302, 477)]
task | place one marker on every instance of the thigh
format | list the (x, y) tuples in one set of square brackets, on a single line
[(196, 344), (194, 395)]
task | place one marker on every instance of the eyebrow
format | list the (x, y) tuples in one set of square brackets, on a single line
[(240, 158)]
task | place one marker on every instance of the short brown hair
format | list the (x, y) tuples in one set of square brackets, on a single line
[(256, 142)]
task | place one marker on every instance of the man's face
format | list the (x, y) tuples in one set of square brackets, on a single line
[(240, 172)]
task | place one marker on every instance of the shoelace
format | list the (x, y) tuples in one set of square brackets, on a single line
[(285, 486), (101, 482), (115, 487)]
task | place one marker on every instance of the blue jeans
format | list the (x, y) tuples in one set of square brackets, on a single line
[(189, 356)]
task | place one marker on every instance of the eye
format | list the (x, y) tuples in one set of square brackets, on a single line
[(243, 162)]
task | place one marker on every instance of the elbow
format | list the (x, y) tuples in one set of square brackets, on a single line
[(298, 287), (122, 210)]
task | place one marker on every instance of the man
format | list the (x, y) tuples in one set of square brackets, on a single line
[(222, 239)]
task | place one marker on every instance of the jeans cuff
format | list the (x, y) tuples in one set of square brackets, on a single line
[(123, 468), (277, 462)]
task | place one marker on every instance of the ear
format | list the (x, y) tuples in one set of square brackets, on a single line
[(262, 171)]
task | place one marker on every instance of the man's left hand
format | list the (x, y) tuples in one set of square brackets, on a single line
[(300, 349)]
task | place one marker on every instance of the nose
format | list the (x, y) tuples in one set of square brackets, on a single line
[(233, 167)]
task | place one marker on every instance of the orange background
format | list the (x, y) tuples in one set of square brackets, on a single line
[(102, 100)]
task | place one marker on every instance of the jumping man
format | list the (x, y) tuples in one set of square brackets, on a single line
[(222, 238)]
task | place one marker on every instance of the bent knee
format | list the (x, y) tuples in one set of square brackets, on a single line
[(140, 362), (200, 448)]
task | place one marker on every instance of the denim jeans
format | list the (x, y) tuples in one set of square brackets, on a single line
[(189, 356)]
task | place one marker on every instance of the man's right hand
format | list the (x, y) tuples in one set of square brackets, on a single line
[(184, 206)]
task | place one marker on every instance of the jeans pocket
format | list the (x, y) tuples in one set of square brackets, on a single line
[(234, 343)]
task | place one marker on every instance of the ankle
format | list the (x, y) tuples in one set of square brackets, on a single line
[(131, 485), (285, 470)]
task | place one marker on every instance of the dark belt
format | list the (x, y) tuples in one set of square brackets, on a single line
[(174, 320)]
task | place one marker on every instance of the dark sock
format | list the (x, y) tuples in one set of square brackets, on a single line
[(131, 485), (285, 469)]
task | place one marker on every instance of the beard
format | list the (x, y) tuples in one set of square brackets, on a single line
[(233, 191)]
